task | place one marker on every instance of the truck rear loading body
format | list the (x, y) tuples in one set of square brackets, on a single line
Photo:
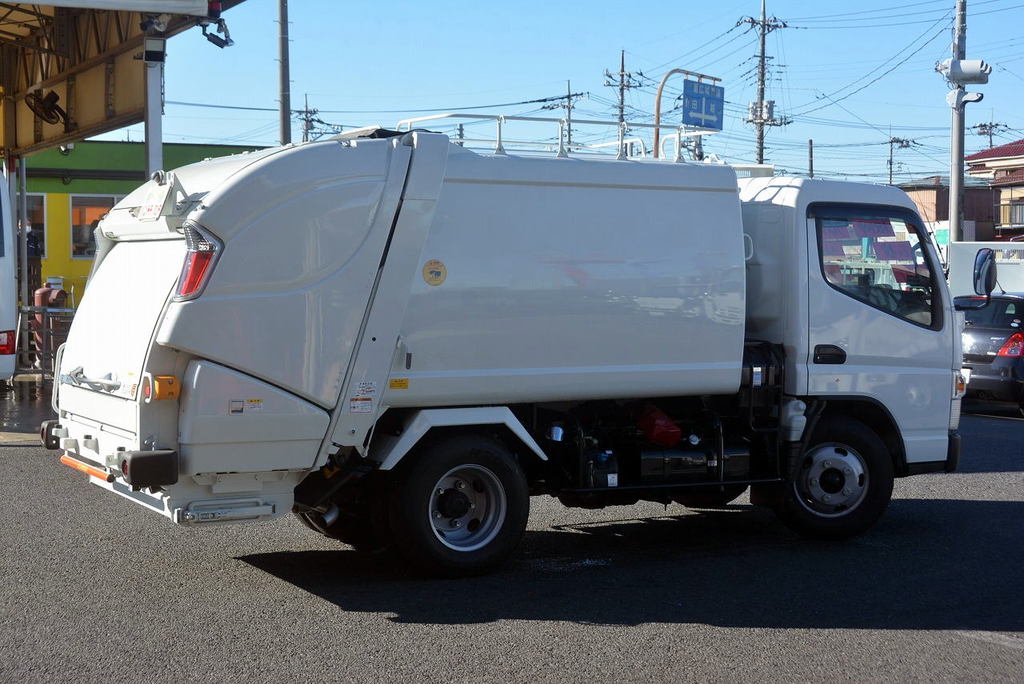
[(400, 340)]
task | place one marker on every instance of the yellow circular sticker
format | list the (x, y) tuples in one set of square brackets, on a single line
[(434, 272)]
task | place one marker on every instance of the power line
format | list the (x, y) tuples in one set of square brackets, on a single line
[(869, 11), (553, 98), (880, 14), (683, 56), (883, 74)]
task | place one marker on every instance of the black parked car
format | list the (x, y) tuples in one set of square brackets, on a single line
[(993, 342)]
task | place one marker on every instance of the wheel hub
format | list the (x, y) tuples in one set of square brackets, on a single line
[(467, 507), (833, 480), (453, 504)]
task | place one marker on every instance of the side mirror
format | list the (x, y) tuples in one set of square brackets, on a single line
[(985, 272)]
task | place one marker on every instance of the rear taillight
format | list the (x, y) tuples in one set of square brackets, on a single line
[(6, 342), (1013, 346), (200, 258)]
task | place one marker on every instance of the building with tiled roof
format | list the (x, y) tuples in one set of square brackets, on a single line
[(1003, 167), (931, 195), (1010, 150)]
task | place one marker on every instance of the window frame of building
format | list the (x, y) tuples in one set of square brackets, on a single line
[(72, 225)]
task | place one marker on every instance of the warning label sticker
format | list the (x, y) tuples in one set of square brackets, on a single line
[(360, 405), (253, 404), (398, 383)]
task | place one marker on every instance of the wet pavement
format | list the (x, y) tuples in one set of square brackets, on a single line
[(24, 404)]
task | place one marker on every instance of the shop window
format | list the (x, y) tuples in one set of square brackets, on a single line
[(86, 213)]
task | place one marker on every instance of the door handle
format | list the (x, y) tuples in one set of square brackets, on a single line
[(829, 354)]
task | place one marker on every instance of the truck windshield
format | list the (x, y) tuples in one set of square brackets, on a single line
[(879, 258)]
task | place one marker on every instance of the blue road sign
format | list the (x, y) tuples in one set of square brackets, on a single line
[(703, 105)]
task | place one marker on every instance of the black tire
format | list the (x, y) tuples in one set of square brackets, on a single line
[(841, 485), (714, 496), (460, 506)]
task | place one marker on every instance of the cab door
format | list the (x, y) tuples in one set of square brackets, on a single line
[(879, 325)]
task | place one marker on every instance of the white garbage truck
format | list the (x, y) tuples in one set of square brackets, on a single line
[(401, 340)]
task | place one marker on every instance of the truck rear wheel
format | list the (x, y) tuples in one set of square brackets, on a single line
[(842, 483), (460, 507)]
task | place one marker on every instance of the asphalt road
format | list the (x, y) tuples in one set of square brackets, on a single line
[(98, 589)]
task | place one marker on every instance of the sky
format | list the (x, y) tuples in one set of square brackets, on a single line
[(850, 76)]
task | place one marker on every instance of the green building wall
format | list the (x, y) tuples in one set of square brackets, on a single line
[(92, 172)]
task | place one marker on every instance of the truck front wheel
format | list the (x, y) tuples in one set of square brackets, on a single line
[(460, 507), (841, 485)]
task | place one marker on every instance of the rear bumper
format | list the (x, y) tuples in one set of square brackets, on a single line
[(1001, 379), (947, 466), (139, 469)]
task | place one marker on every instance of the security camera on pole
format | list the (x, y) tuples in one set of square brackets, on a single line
[(959, 72)]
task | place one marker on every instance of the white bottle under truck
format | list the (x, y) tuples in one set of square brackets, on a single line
[(400, 340)]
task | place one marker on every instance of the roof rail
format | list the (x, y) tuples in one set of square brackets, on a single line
[(625, 148)]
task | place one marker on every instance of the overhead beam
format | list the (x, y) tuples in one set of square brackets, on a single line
[(86, 57)]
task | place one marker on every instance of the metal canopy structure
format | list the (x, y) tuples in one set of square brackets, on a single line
[(70, 70)]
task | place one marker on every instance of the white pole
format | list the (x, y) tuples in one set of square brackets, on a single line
[(956, 144), (154, 118)]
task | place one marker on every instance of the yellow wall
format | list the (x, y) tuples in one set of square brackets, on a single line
[(58, 261)]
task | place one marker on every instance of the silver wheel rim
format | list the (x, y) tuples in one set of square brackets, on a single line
[(467, 507), (832, 481)]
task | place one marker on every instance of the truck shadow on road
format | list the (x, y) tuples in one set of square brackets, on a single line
[(930, 564)]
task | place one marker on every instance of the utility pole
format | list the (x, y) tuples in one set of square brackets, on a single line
[(568, 113), (762, 113), (956, 172), (308, 117), (285, 78), (625, 82), (569, 97), (959, 71), (810, 158), (990, 128), (897, 142)]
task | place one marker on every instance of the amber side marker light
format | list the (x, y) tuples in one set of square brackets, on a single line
[(91, 471), (165, 387)]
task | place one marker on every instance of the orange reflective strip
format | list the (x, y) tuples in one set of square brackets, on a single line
[(89, 470)]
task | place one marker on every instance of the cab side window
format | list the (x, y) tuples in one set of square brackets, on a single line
[(880, 260)]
